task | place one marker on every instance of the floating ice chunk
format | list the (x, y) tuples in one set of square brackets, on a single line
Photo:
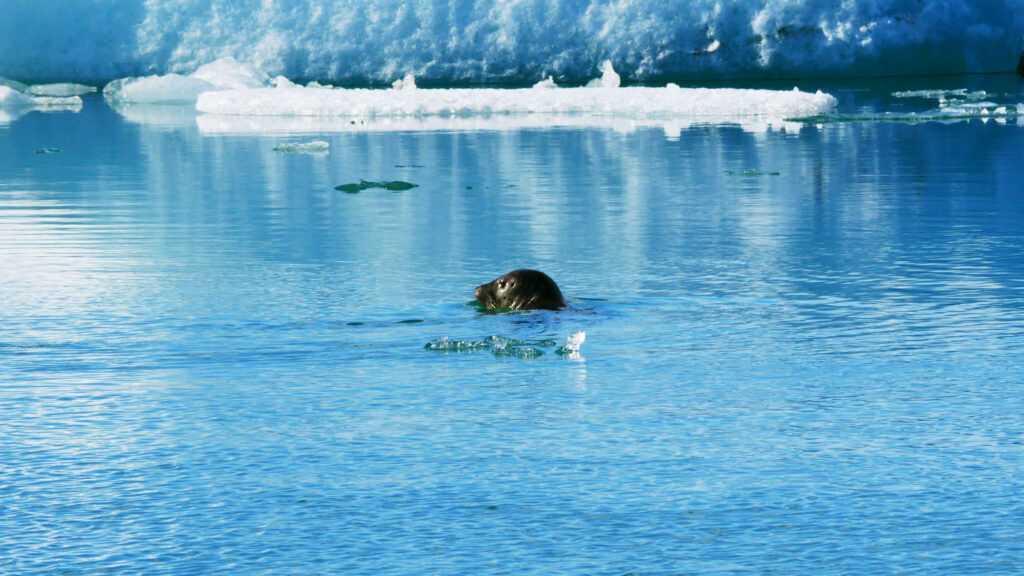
[(635, 102), (11, 98), (223, 74), (609, 78), (62, 90), (548, 82), (167, 89), (229, 74), (407, 83), (23, 88), (314, 147)]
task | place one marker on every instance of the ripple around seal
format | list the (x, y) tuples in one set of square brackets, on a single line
[(498, 345)]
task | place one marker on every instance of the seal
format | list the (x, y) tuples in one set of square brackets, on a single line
[(521, 290)]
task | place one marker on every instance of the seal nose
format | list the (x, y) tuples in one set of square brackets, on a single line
[(476, 293)]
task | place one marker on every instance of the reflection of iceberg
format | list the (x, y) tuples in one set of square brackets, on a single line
[(211, 124), (162, 115)]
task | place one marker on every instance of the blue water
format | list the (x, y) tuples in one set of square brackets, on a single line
[(803, 348)]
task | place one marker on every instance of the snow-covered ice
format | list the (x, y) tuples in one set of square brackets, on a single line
[(628, 102), (11, 98)]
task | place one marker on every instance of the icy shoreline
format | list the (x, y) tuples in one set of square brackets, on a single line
[(226, 96), (228, 88)]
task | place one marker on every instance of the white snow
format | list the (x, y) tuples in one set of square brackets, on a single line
[(625, 102)]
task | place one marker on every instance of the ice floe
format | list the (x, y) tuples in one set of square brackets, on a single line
[(222, 74), (315, 147), (12, 99), (601, 98), (60, 90)]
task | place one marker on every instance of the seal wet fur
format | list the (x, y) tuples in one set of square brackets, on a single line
[(521, 290)]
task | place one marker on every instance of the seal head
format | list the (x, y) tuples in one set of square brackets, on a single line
[(521, 290)]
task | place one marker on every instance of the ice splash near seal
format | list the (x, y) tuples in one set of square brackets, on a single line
[(502, 346)]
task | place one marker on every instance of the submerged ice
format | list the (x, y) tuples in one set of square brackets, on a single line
[(376, 41)]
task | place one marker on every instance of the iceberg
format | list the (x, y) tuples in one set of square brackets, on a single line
[(223, 74), (14, 85), (11, 98), (372, 42), (14, 99)]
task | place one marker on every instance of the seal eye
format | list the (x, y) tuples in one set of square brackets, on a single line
[(501, 284)]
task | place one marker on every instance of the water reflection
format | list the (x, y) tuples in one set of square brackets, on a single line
[(858, 225)]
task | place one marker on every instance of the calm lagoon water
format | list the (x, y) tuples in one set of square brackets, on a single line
[(803, 347)]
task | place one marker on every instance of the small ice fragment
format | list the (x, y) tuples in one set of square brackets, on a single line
[(11, 98), (548, 82), (63, 90), (609, 78), (713, 47), (407, 83), (314, 147), (14, 84), (282, 82)]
